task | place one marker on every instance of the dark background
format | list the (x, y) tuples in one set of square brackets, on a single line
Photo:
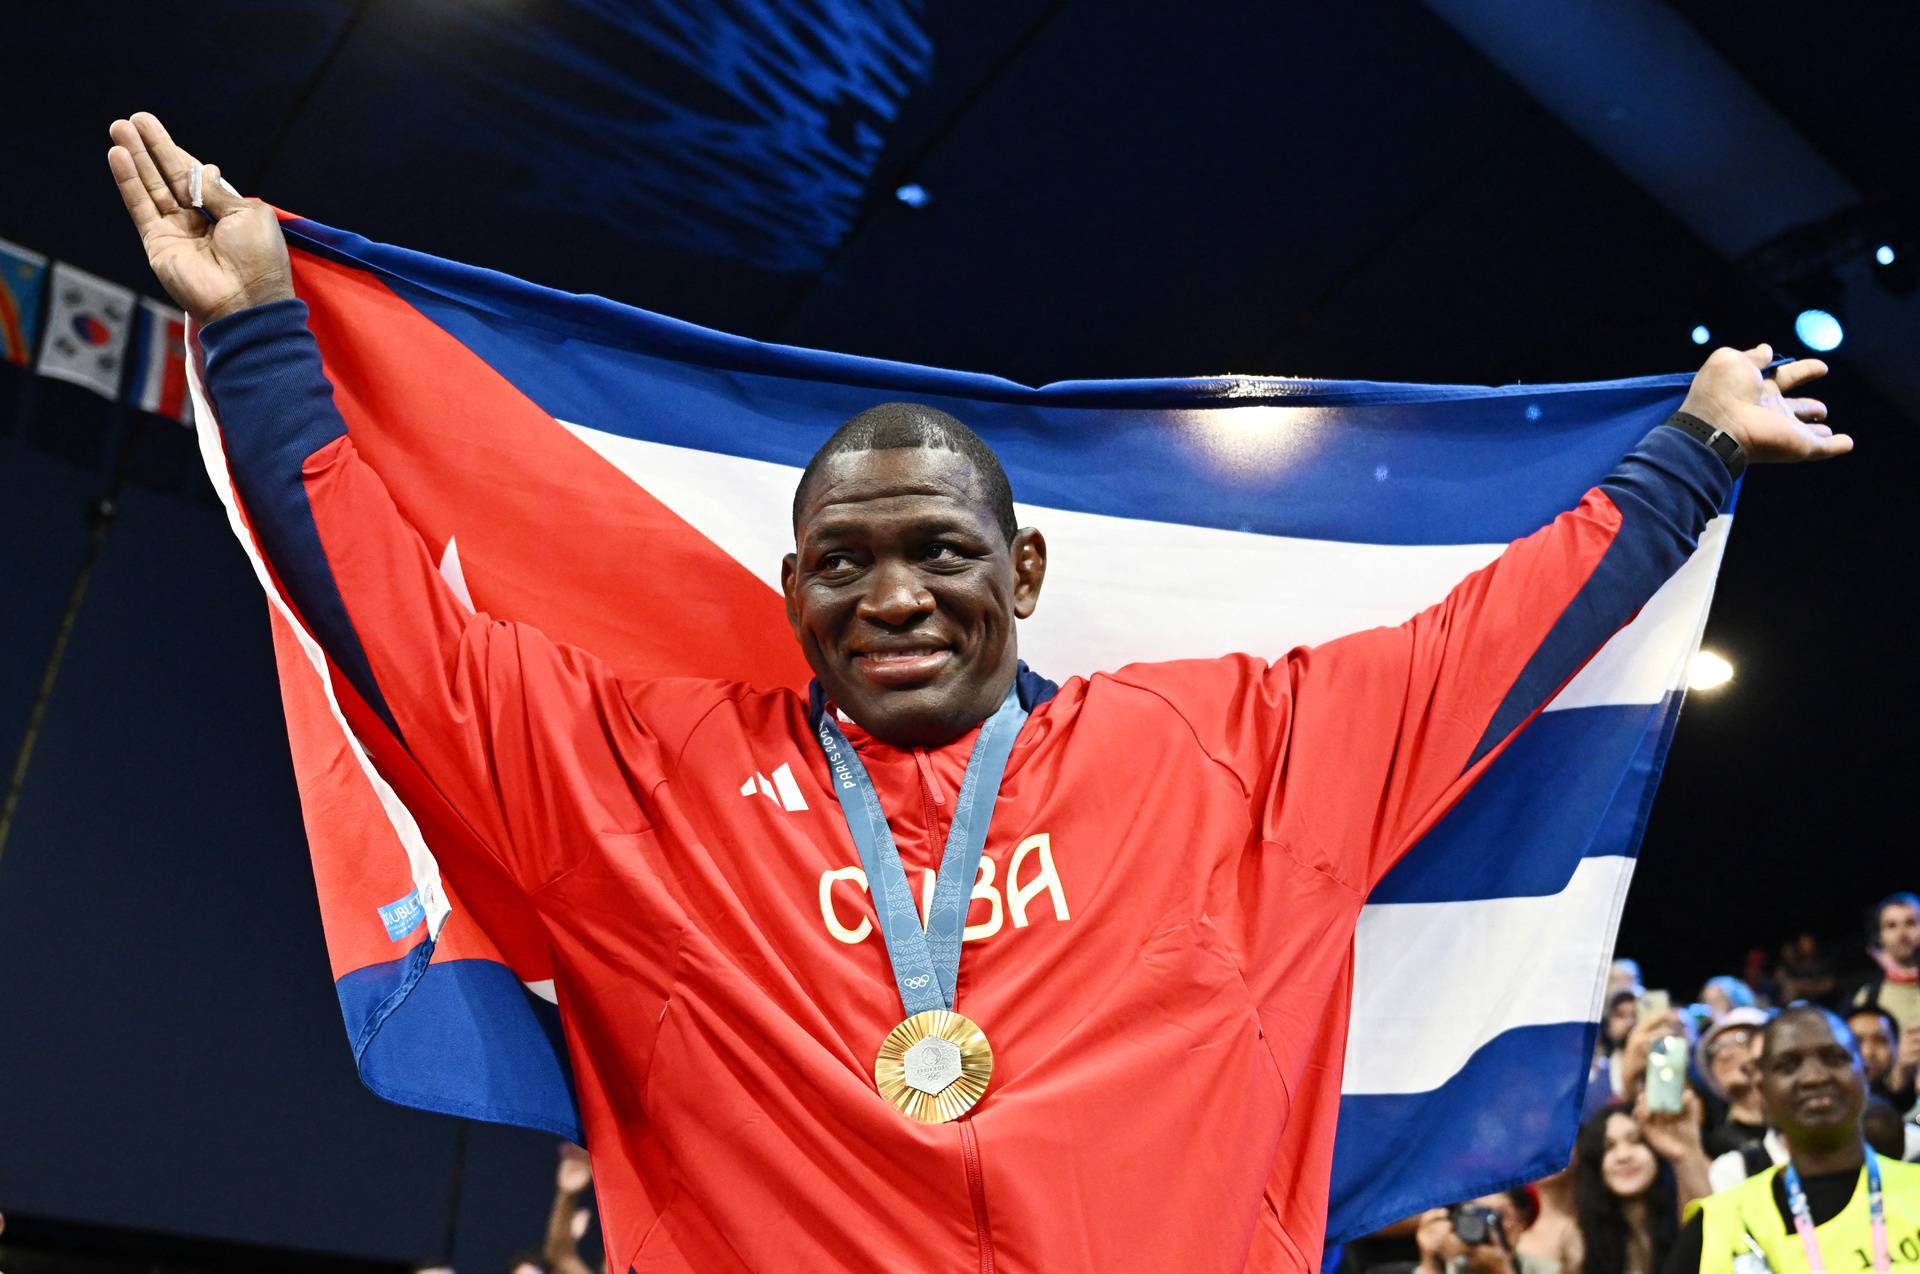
[(1445, 192)]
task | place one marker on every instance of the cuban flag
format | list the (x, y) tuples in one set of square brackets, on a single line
[(623, 481)]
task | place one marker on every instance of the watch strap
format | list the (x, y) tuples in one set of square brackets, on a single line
[(1718, 441)]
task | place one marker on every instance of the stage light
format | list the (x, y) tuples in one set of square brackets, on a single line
[(1708, 671), (914, 195), (1818, 330), (1884, 254), (1700, 334)]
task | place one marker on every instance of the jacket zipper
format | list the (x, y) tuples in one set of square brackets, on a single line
[(935, 803), (977, 1189)]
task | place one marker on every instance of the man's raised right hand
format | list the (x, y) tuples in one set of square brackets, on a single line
[(210, 268)]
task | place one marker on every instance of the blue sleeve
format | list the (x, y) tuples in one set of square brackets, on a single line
[(275, 408), (1667, 489)]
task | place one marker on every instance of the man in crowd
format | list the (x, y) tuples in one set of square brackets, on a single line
[(1896, 986), (1879, 1037), (1815, 1091), (1806, 971), (1743, 1145), (724, 1043)]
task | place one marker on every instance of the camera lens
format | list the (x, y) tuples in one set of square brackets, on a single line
[(1470, 1225)]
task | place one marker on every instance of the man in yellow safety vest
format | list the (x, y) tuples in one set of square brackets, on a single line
[(1835, 1206)]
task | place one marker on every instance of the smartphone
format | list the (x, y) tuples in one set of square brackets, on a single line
[(1653, 1004), (1667, 1075)]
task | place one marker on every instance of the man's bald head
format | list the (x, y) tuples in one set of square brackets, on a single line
[(894, 426)]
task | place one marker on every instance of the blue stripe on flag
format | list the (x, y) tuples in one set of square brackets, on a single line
[(1473, 1132), (1396, 476), (473, 1042), (1576, 784), (1642, 556)]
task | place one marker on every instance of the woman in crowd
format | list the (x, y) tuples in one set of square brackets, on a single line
[(1616, 1024), (1626, 1207)]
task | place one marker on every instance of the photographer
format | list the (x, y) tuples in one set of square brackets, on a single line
[(1478, 1237)]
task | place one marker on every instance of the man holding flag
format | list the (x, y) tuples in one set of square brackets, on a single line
[(1138, 1062)]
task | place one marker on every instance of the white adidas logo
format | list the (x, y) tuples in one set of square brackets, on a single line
[(781, 790)]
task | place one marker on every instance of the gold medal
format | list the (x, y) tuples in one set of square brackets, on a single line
[(934, 1066)]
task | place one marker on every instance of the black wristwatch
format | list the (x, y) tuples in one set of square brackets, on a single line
[(1719, 441)]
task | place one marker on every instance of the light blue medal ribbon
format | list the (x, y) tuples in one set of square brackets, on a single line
[(1803, 1216), (926, 961)]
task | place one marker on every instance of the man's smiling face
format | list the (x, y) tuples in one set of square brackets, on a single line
[(903, 592), (1811, 1079)]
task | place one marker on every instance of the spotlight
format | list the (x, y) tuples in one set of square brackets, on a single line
[(914, 195), (1708, 671), (1884, 254), (1818, 330), (1700, 334)]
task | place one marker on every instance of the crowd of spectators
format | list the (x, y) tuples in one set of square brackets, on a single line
[(1647, 1148)]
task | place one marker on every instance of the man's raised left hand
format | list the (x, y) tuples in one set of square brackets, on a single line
[(1771, 424)]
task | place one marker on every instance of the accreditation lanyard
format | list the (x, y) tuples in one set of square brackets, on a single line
[(1803, 1217), (926, 961)]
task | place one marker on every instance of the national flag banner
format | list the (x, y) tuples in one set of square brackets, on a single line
[(160, 355), (89, 321), (23, 276), (623, 481)]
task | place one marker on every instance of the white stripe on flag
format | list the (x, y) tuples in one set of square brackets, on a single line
[(1648, 658), (455, 575), (1424, 1001), (1127, 590), (422, 865)]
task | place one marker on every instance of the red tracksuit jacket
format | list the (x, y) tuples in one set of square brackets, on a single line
[(1160, 940)]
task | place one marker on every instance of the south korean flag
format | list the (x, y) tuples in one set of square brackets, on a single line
[(88, 320)]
